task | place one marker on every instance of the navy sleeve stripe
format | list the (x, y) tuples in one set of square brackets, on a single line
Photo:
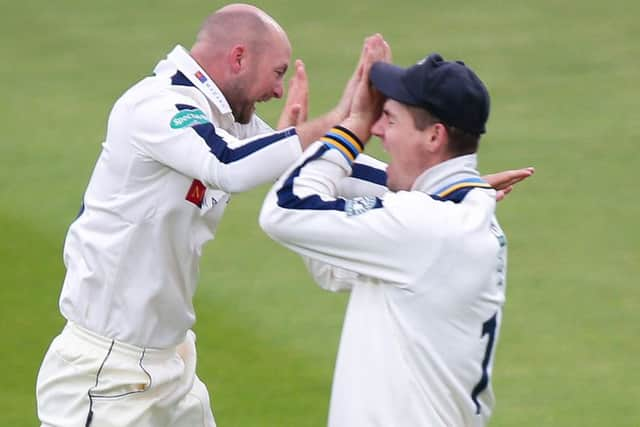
[(369, 173), (288, 200), (219, 147)]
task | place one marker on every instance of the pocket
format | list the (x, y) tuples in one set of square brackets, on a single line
[(118, 378)]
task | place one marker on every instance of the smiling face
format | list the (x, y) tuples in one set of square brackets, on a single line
[(412, 150), (262, 76)]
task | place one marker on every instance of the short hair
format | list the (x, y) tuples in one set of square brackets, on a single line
[(460, 142)]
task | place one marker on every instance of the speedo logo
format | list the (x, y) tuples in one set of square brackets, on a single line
[(187, 118)]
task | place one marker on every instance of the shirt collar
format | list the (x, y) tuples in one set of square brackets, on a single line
[(199, 77), (447, 173)]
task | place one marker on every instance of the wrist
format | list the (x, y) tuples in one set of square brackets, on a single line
[(360, 127), (345, 141)]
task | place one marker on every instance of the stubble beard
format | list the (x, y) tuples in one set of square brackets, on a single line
[(241, 107)]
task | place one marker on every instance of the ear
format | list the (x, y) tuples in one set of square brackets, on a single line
[(436, 136), (237, 58)]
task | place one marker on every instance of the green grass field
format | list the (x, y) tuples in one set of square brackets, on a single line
[(563, 78)]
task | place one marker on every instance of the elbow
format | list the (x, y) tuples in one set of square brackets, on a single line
[(263, 220), (236, 183), (268, 225), (273, 221)]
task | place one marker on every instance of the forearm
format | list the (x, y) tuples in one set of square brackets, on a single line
[(310, 131), (330, 278)]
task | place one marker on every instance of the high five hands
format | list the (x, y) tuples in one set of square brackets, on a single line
[(360, 106)]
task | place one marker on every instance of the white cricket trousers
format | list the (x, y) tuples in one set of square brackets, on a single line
[(87, 380)]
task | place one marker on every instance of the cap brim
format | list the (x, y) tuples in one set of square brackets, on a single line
[(388, 79)]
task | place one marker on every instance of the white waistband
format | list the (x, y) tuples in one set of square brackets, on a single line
[(105, 344)]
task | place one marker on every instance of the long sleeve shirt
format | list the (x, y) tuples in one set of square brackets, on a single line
[(172, 156), (426, 271)]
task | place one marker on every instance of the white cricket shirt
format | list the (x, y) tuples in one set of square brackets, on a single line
[(171, 157), (426, 270)]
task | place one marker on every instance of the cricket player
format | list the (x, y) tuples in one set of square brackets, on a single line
[(178, 144), (425, 263)]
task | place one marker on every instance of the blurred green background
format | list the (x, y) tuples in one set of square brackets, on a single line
[(563, 78)]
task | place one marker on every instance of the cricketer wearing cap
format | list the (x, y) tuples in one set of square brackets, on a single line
[(425, 263)]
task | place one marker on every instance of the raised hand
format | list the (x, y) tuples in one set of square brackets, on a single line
[(382, 53), (366, 105), (296, 107)]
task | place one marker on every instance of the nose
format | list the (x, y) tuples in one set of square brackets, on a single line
[(278, 90), (377, 129)]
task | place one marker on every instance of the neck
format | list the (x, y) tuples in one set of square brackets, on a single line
[(208, 59), (436, 159)]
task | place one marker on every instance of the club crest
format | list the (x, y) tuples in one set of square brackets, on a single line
[(359, 205)]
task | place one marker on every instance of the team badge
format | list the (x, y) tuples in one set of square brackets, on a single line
[(200, 76), (196, 193), (359, 205)]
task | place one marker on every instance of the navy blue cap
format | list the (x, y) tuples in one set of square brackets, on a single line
[(449, 90)]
